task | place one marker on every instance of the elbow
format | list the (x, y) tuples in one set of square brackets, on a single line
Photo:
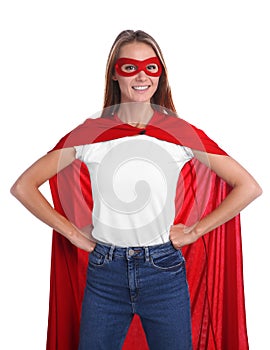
[(18, 189), (255, 191), (259, 191), (15, 189)]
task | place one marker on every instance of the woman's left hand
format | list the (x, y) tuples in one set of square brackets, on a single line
[(181, 235)]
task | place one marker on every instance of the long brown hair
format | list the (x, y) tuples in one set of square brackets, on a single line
[(112, 95)]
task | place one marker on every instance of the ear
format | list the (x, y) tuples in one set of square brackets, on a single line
[(114, 77)]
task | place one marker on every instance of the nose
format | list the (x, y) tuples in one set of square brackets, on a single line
[(141, 75)]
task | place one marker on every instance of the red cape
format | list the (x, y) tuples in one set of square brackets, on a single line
[(214, 262)]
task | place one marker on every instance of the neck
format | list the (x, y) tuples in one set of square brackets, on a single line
[(136, 114)]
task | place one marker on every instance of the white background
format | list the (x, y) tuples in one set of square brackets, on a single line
[(53, 56)]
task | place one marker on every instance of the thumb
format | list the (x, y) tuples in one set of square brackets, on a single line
[(179, 225)]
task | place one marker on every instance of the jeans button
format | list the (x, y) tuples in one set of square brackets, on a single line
[(131, 252)]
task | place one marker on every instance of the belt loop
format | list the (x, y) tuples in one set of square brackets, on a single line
[(146, 252), (112, 248)]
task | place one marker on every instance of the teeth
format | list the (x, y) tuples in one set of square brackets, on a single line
[(140, 87)]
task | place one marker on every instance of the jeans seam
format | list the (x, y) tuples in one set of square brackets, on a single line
[(166, 268)]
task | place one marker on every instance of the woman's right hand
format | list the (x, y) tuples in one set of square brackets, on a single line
[(82, 239), (26, 190)]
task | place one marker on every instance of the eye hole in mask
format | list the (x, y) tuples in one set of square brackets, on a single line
[(127, 67)]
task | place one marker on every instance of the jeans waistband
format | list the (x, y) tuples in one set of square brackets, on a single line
[(134, 252)]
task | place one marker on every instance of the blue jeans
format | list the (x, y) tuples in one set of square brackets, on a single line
[(149, 281)]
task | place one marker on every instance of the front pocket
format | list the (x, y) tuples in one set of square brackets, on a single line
[(97, 259), (171, 261)]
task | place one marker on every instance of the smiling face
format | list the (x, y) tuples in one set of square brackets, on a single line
[(138, 81)]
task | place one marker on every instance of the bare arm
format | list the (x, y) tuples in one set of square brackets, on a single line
[(244, 190), (26, 190)]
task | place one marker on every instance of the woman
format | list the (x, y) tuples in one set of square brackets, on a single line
[(136, 265)]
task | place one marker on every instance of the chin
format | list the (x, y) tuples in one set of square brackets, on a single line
[(142, 98)]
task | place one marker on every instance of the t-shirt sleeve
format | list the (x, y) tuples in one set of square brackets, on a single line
[(188, 152), (182, 155), (79, 152)]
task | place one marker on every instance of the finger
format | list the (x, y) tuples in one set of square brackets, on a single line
[(174, 244), (178, 226)]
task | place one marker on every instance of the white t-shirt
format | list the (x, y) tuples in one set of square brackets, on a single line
[(133, 183)]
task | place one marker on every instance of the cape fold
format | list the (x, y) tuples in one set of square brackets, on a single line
[(214, 262)]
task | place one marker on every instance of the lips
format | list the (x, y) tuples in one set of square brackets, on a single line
[(140, 87)]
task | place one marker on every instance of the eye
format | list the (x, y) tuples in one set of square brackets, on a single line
[(152, 67), (128, 68)]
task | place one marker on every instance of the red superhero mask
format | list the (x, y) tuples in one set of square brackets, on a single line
[(128, 67)]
